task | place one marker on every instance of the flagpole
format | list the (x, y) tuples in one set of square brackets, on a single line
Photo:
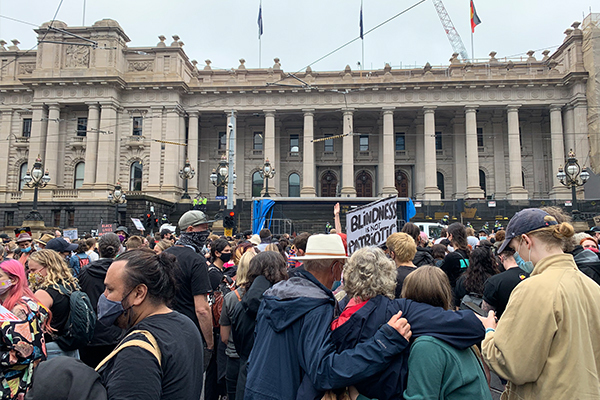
[(259, 51), (472, 48), (260, 35), (362, 63)]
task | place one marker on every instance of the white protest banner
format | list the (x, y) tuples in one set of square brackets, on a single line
[(138, 224), (71, 234), (6, 315), (371, 224)]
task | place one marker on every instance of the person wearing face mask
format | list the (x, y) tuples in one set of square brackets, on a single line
[(140, 285), (546, 343), (48, 275), (22, 347), (25, 244), (191, 298)]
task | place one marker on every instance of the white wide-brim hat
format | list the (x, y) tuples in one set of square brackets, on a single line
[(321, 247)]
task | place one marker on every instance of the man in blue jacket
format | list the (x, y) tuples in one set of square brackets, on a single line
[(293, 355)]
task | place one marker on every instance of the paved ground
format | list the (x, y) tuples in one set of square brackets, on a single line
[(497, 387)]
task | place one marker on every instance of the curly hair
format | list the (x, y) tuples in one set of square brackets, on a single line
[(269, 264), (369, 273), (403, 246), (58, 272), (482, 265)]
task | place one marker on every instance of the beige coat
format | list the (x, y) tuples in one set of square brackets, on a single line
[(547, 343)]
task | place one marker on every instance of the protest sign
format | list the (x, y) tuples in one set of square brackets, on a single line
[(138, 224), (103, 229), (71, 234), (371, 224)]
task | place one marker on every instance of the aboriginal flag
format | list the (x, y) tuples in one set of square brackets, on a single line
[(474, 17)]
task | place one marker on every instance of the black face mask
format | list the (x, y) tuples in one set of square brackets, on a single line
[(194, 239), (225, 257)]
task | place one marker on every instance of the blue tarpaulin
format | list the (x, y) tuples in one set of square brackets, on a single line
[(260, 210), (411, 211)]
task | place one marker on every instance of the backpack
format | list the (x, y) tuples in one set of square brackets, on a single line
[(81, 322), (79, 264), (217, 296)]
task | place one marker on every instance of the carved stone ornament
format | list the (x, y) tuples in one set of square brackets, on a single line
[(26, 68), (77, 56), (207, 66), (141, 66)]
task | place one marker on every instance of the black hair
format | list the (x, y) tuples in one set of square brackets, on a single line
[(482, 265), (109, 245), (459, 237), (438, 251), (412, 230), (156, 271), (301, 240), (269, 264), (217, 245)]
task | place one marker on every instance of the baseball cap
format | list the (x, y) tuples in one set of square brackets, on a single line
[(60, 245), (525, 221), (192, 218), (594, 229)]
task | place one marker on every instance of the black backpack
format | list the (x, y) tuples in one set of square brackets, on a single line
[(81, 322)]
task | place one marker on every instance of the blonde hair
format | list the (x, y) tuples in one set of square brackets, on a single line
[(554, 235), (164, 244), (369, 273), (430, 285), (58, 272), (403, 246), (243, 266)]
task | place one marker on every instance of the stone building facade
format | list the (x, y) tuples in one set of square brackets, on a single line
[(99, 112)]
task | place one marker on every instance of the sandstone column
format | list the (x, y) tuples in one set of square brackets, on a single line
[(91, 146), (582, 144), (569, 129), (39, 131), (269, 150), (389, 153), (6, 134), (460, 163), (171, 170), (107, 143), (52, 142), (499, 159), (192, 149), (473, 185), (430, 155), (348, 189), (516, 190), (155, 150), (419, 170), (558, 191), (308, 156)]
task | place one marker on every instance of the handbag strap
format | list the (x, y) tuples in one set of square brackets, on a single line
[(151, 346)]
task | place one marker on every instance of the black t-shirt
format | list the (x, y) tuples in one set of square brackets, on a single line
[(498, 288), (402, 272), (215, 275), (454, 265), (192, 279), (134, 373), (60, 312)]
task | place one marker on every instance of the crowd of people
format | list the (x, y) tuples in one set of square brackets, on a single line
[(296, 317)]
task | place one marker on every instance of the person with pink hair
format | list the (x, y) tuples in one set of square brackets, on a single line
[(23, 321)]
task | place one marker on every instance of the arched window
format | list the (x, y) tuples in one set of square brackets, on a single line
[(294, 185), (440, 184), (257, 184), (135, 177), (78, 178), (22, 173), (482, 183)]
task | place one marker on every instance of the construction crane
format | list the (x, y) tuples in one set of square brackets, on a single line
[(451, 32)]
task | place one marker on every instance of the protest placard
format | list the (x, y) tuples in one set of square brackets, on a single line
[(103, 229), (371, 224), (138, 224), (71, 234)]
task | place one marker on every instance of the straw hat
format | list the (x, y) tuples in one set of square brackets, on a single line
[(44, 239), (321, 247)]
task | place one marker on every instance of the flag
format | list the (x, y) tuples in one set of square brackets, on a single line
[(474, 18), (361, 23), (260, 22)]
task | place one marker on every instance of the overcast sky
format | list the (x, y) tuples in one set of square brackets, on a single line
[(300, 32)]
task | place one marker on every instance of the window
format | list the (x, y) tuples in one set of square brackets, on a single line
[(438, 140), (440, 184), (22, 173), (78, 179), (26, 127), (137, 126), (364, 143), (328, 143), (480, 137), (56, 217), (400, 142), (135, 177), (70, 218), (9, 218), (257, 184), (294, 185), (482, 183), (81, 126), (257, 142), (222, 140), (294, 144)]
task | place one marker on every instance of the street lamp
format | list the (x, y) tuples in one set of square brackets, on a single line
[(573, 176), (36, 180), (186, 173), (267, 172), (117, 197), (220, 178)]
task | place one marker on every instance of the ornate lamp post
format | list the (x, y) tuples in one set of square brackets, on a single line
[(573, 176), (186, 173), (36, 180), (117, 197), (267, 172), (220, 178)]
